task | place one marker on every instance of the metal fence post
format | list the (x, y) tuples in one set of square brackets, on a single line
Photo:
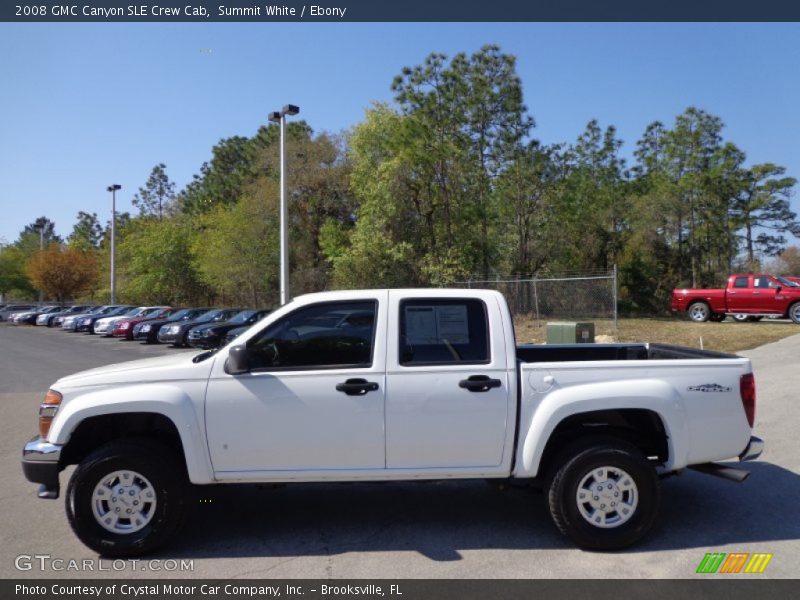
[(614, 283), (536, 300)]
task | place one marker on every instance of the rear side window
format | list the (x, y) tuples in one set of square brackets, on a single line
[(740, 282), (441, 332)]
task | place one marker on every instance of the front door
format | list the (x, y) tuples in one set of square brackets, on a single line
[(313, 399)]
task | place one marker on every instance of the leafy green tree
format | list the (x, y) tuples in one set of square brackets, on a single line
[(157, 192), (236, 252), (528, 193), (234, 165), (37, 235), (156, 263), (87, 232), (13, 279), (464, 122), (763, 209), (593, 206), (318, 189)]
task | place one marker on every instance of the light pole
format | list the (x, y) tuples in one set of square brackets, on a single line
[(41, 249), (113, 189), (280, 118)]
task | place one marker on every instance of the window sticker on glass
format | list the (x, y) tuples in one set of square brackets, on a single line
[(437, 324)]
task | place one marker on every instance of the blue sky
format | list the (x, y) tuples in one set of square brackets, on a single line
[(86, 105)]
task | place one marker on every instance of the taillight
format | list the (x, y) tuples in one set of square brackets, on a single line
[(47, 411), (747, 388)]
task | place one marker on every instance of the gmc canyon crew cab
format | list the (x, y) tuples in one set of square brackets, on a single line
[(392, 385)]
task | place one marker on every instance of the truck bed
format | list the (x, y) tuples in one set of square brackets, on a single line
[(536, 353)]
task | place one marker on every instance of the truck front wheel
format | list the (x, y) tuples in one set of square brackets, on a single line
[(605, 496), (794, 312), (699, 312), (126, 498)]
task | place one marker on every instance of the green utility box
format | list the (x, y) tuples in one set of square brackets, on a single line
[(570, 333)]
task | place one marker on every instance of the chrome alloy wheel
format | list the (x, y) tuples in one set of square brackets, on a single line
[(794, 313), (699, 312), (123, 502), (607, 497)]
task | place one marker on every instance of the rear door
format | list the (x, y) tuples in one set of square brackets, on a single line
[(448, 401)]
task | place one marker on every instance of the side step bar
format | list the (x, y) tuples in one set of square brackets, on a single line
[(724, 471)]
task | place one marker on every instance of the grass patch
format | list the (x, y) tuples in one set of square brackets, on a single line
[(728, 336)]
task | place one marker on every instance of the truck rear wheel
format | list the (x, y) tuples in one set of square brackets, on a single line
[(699, 312), (126, 498), (604, 496)]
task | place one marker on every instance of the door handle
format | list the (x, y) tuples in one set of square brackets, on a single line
[(357, 387), (479, 383)]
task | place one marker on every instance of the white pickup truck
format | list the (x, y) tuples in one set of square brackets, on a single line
[(392, 385)]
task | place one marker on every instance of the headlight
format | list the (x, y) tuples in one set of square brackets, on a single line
[(145, 328), (175, 329), (47, 411), (124, 325), (208, 333)]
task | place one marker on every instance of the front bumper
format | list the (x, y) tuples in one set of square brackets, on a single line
[(41, 463), (203, 342), (169, 337), (753, 449)]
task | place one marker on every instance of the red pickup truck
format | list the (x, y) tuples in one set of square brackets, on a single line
[(747, 296)]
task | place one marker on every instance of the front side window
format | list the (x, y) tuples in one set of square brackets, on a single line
[(320, 336), (764, 282), (446, 331)]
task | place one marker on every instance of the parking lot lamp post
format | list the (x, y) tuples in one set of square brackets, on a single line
[(280, 118), (113, 189), (41, 249)]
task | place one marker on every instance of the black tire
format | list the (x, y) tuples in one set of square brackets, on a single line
[(159, 465), (794, 313), (699, 312), (576, 464)]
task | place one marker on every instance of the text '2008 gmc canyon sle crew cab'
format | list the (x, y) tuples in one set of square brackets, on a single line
[(392, 385)]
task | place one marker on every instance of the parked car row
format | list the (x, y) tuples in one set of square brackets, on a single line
[(196, 327)]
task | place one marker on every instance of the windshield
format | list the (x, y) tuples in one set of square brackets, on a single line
[(786, 282), (179, 315), (242, 316), (209, 316)]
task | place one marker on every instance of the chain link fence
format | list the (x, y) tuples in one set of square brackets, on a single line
[(562, 296)]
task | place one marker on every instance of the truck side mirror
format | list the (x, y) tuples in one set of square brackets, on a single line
[(778, 289), (237, 361)]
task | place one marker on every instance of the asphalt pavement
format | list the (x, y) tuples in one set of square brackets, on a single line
[(396, 530)]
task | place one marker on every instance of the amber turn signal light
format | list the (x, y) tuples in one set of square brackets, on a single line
[(47, 411)]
